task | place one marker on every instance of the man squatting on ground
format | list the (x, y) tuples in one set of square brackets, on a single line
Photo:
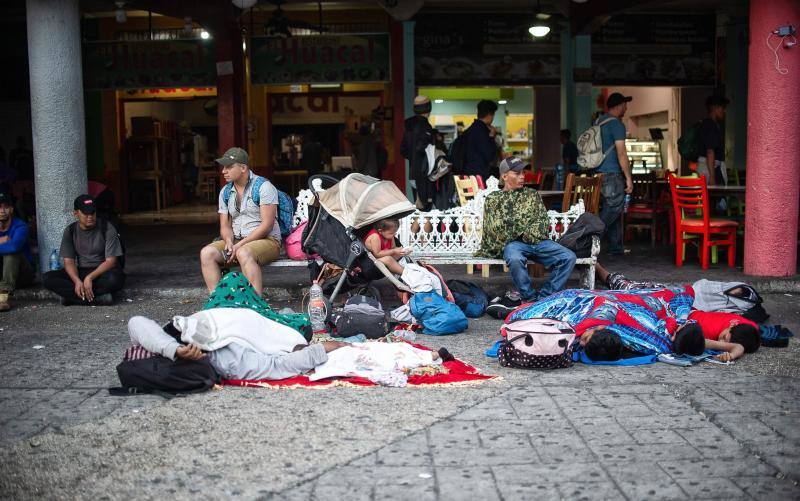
[(91, 250), (250, 235), (16, 260)]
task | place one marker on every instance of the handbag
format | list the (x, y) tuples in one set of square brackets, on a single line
[(537, 343)]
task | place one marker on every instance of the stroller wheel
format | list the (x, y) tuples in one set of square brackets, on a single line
[(367, 290)]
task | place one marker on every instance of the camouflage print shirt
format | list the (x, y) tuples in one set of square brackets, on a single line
[(512, 215)]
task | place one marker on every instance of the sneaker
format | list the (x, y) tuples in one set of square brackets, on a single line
[(4, 304), (501, 306)]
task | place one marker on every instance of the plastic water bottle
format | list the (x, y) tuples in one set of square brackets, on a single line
[(55, 260), (317, 310), (626, 203)]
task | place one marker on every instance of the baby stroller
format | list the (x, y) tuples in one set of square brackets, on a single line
[(341, 218)]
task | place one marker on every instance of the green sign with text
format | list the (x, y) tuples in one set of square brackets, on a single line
[(335, 58), (151, 64)]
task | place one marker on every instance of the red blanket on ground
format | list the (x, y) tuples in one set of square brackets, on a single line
[(458, 372)]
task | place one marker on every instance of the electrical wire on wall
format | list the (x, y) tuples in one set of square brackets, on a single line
[(786, 40)]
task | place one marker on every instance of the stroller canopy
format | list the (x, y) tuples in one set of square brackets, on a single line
[(358, 201)]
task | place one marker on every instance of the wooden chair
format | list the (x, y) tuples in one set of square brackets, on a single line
[(694, 224), (466, 188), (583, 188), (644, 211)]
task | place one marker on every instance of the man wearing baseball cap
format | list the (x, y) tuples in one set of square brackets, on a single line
[(516, 228), (616, 170), (250, 235), (92, 254), (16, 260)]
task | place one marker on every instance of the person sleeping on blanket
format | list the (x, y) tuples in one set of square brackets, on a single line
[(611, 325), (732, 334)]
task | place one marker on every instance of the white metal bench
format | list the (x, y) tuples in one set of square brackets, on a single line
[(453, 236)]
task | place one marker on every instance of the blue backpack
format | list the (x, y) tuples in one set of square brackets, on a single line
[(469, 297), (437, 316), (286, 207)]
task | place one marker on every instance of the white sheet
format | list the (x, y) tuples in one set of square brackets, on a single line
[(372, 360)]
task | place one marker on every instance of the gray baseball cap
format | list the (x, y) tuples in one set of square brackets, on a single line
[(234, 155), (511, 163)]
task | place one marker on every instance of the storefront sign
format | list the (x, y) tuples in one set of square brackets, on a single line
[(133, 65), (170, 93), (318, 108), (496, 49), (320, 59)]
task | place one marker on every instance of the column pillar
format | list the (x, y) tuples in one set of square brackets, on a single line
[(567, 83), (230, 89), (57, 116), (409, 90), (402, 76), (583, 100), (773, 144)]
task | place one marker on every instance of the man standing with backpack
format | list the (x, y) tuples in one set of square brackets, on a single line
[(480, 147), (250, 233), (418, 134), (616, 170), (92, 254)]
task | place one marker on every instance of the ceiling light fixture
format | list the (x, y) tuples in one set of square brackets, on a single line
[(438, 101), (120, 14), (540, 28), (502, 101), (205, 35)]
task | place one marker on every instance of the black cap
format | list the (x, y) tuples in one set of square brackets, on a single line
[(6, 198), (717, 100), (85, 204), (616, 99)]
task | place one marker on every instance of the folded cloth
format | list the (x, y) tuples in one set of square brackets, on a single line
[(371, 359), (419, 279)]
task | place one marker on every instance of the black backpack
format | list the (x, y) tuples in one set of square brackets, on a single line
[(103, 224), (469, 297), (458, 155), (360, 315), (161, 375), (578, 237)]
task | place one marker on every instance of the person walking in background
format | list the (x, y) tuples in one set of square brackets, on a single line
[(479, 141), (569, 158), (711, 162), (367, 153), (418, 134), (16, 260), (616, 170), (91, 250)]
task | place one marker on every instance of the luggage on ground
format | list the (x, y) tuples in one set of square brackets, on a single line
[(360, 315), (161, 375), (590, 146), (729, 297), (537, 343), (437, 316), (469, 297)]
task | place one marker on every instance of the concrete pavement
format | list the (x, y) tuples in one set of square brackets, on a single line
[(611, 432)]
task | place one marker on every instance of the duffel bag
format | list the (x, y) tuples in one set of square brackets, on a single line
[(159, 374), (469, 297), (437, 316), (537, 343), (361, 315)]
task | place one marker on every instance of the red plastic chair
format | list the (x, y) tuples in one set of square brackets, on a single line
[(693, 223)]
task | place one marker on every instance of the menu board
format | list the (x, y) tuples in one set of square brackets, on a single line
[(320, 59), (150, 64), (496, 49)]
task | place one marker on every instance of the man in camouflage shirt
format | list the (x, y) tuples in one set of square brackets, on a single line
[(516, 227)]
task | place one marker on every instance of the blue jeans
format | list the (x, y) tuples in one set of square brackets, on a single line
[(612, 199), (557, 258)]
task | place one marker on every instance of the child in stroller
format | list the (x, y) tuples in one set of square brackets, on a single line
[(380, 241)]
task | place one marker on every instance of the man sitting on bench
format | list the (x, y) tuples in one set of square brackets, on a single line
[(516, 227)]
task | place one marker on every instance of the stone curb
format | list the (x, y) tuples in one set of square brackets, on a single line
[(287, 293)]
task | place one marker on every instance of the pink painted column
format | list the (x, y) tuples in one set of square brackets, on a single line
[(773, 144)]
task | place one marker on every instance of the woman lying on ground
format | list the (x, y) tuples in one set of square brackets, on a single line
[(729, 333)]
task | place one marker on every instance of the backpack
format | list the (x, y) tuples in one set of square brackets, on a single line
[(437, 316), (590, 146), (469, 297), (161, 375), (578, 237), (537, 343), (103, 225), (689, 143), (458, 155), (285, 215), (360, 315), (710, 295)]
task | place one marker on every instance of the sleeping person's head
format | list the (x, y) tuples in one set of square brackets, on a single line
[(745, 335), (689, 340), (601, 345)]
